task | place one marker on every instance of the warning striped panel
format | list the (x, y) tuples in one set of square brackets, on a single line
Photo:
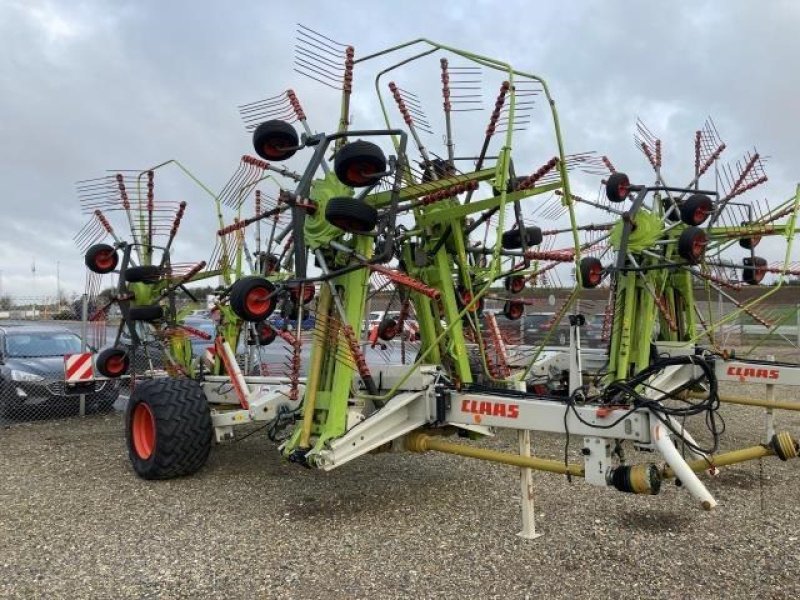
[(78, 367)]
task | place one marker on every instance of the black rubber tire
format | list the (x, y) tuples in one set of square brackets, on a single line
[(266, 333), (309, 291), (514, 283), (591, 272), (691, 245), (751, 242), (359, 164), (275, 140), (618, 187), (463, 298), (113, 362), (754, 270), (513, 310), (512, 239), (387, 329), (268, 264), (101, 258), (148, 313), (251, 298), (438, 168), (183, 431), (143, 274), (351, 215), (696, 209)]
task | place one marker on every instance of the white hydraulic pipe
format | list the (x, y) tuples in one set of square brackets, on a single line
[(662, 441)]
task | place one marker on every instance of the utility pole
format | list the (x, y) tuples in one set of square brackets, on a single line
[(58, 284)]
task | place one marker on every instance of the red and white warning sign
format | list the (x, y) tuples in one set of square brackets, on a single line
[(78, 368)]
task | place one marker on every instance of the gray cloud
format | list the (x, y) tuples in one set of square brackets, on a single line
[(91, 86)]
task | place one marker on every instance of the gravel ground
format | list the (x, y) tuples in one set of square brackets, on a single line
[(75, 522)]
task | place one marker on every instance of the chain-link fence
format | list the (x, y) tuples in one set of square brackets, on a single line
[(36, 333)]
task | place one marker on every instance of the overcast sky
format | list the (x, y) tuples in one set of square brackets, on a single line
[(91, 86)]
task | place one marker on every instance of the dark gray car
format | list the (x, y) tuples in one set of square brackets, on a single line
[(32, 373)]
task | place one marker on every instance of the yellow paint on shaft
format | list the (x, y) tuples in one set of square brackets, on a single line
[(315, 368), (783, 405), (720, 460), (420, 442)]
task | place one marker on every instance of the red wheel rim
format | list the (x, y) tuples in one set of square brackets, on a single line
[(258, 301), (514, 311), (308, 293), (274, 148), (105, 259), (595, 274), (700, 215), (517, 284), (622, 190), (698, 245), (115, 365), (143, 431), (267, 334)]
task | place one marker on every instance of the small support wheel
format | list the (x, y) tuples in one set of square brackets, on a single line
[(148, 313), (512, 239), (591, 271), (252, 298), (101, 258), (692, 245), (464, 299), (113, 362), (309, 291), (275, 140), (351, 215), (618, 186), (266, 333), (359, 164), (749, 243), (696, 209), (168, 428), (514, 283), (513, 310), (388, 329), (754, 270), (144, 274)]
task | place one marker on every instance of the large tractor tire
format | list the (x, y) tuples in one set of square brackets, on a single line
[(168, 428)]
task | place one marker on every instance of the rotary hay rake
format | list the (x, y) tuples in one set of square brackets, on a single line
[(431, 236)]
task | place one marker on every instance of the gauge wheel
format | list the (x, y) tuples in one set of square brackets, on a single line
[(101, 258), (359, 164), (144, 274), (113, 362), (252, 298), (512, 239), (618, 186), (275, 140), (692, 245), (514, 283), (591, 270), (513, 310), (696, 209), (351, 215), (754, 270), (148, 313)]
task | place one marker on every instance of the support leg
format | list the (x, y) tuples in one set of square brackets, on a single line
[(526, 491)]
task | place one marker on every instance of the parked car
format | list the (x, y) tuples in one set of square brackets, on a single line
[(32, 372)]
